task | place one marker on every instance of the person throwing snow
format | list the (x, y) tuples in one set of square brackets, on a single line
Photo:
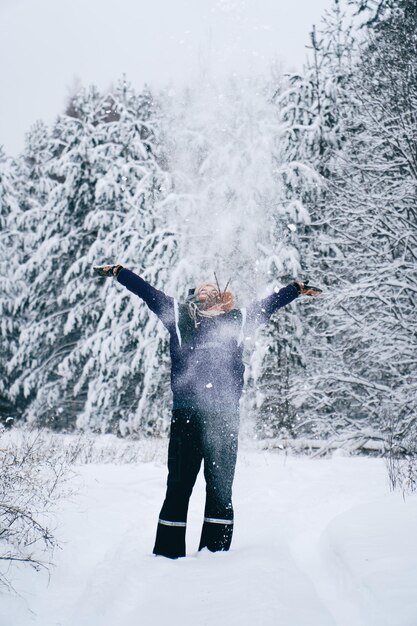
[(206, 348)]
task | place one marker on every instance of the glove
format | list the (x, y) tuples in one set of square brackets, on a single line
[(107, 270), (307, 290)]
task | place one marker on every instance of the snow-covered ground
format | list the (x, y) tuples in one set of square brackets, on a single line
[(317, 543)]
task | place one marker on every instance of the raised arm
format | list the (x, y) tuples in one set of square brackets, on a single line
[(259, 312), (158, 302)]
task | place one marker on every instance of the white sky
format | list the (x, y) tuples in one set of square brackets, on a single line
[(46, 45)]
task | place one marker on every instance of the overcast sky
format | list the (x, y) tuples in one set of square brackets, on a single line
[(48, 45)]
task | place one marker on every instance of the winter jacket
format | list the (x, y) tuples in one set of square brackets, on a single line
[(206, 361)]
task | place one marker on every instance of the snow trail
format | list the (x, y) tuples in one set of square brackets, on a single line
[(317, 543)]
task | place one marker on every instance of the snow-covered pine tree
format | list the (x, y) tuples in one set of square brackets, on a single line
[(375, 193), (10, 253), (78, 361), (315, 111), (50, 231), (279, 354), (123, 359), (33, 185)]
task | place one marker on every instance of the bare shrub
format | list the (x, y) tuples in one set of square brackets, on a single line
[(34, 476), (37, 468), (400, 453)]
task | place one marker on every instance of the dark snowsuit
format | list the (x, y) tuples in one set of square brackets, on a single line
[(206, 380)]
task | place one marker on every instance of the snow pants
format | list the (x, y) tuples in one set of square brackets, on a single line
[(212, 435)]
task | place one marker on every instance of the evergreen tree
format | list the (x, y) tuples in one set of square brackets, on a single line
[(375, 193), (124, 356), (315, 110), (9, 286), (74, 358), (32, 185)]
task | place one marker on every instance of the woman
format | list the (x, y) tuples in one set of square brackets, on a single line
[(206, 346)]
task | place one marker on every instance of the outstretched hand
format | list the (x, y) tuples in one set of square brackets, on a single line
[(308, 290), (107, 270)]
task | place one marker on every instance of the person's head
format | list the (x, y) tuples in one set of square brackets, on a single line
[(209, 295), (207, 292)]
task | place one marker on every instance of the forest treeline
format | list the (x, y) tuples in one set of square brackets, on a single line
[(261, 179)]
